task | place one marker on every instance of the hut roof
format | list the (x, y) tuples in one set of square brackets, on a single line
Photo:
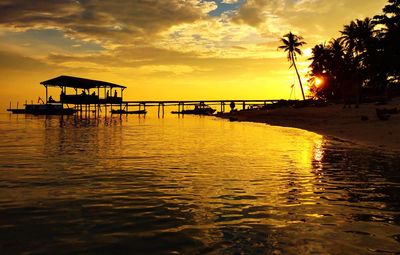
[(76, 82)]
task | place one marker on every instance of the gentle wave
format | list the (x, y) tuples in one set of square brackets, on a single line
[(194, 185)]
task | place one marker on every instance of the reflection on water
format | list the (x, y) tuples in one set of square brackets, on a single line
[(190, 185)]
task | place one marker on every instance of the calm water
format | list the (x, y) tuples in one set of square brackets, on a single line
[(190, 185)]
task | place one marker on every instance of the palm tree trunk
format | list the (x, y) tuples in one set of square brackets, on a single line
[(298, 76)]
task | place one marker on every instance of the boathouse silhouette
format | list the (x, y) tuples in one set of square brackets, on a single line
[(95, 94)]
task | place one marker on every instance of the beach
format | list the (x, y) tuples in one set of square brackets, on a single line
[(358, 125)]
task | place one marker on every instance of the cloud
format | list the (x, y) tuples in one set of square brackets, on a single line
[(317, 19), (183, 25), (125, 57), (252, 13), (214, 38), (104, 21), (230, 1), (11, 61)]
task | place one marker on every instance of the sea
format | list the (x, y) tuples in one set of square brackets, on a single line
[(190, 185)]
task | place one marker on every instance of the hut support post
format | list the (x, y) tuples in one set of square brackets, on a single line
[(47, 94)]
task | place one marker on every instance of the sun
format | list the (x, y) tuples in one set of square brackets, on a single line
[(318, 81)]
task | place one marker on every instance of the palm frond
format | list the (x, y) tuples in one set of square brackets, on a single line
[(298, 51)]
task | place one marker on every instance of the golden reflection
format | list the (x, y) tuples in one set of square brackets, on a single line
[(318, 155), (228, 170), (233, 166)]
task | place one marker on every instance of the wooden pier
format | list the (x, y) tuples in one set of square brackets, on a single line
[(224, 104), (97, 97)]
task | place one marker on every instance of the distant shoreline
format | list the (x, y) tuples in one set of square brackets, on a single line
[(359, 125)]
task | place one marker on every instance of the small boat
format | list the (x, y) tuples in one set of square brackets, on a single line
[(198, 110), (128, 112), (44, 109), (17, 111)]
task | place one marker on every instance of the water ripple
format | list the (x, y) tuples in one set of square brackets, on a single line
[(192, 186)]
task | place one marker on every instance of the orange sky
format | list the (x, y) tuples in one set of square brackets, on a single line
[(170, 49)]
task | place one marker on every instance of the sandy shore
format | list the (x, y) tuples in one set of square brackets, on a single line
[(333, 120)]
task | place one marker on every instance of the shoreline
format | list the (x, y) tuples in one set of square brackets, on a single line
[(357, 125)]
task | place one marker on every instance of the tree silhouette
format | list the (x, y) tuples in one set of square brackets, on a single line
[(367, 53), (330, 63), (389, 36), (291, 44), (349, 36)]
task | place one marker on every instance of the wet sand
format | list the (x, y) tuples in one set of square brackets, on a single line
[(361, 125)]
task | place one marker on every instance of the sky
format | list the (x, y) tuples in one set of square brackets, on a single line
[(165, 49)]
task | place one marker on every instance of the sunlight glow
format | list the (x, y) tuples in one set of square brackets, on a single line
[(318, 81)]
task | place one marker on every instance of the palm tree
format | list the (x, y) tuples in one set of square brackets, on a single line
[(320, 58), (358, 36), (332, 63), (363, 50), (349, 36), (339, 62), (291, 44)]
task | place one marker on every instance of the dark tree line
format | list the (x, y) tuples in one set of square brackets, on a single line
[(367, 52)]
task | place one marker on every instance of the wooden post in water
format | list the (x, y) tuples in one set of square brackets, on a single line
[(98, 101), (160, 108)]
